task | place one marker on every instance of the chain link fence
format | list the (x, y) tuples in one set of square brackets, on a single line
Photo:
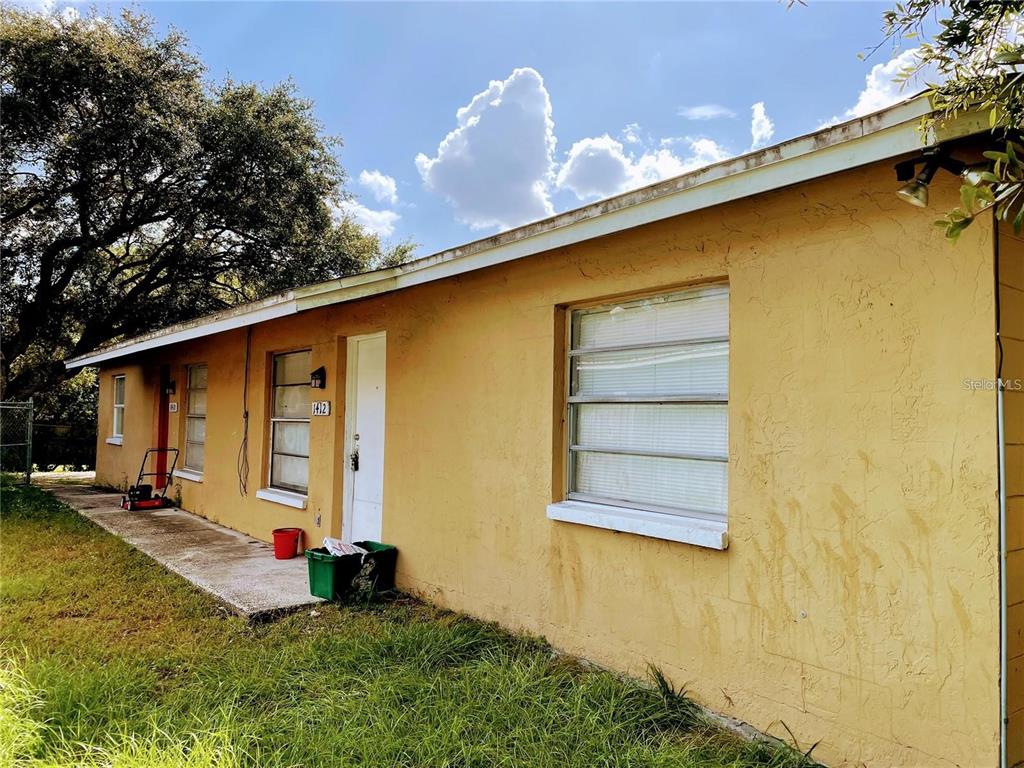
[(16, 438)]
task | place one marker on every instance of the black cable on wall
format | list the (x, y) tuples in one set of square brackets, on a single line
[(243, 449)]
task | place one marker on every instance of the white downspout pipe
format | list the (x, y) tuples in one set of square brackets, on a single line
[(1001, 436), (1003, 665)]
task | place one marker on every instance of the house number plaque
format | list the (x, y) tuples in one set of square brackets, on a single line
[(321, 407)]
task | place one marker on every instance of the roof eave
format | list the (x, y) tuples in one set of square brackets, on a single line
[(885, 134)]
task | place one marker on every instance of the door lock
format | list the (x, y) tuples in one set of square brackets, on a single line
[(353, 460)]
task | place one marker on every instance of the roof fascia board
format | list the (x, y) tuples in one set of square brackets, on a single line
[(199, 329)]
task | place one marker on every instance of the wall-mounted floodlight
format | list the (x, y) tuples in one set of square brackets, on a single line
[(915, 191)]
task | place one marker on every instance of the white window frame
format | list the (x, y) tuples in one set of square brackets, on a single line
[(117, 435), (698, 527), (278, 492), (189, 416)]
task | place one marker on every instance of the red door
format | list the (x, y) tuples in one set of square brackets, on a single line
[(162, 421)]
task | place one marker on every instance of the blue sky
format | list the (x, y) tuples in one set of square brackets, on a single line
[(589, 98)]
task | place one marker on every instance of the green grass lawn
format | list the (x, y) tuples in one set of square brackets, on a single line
[(108, 659)]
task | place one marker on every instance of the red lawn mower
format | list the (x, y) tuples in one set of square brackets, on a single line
[(140, 495)]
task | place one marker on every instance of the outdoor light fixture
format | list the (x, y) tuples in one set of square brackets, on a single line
[(169, 387), (318, 378), (915, 191), (972, 175)]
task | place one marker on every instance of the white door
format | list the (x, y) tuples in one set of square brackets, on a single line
[(364, 427)]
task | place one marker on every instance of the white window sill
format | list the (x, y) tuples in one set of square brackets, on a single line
[(688, 530), (116, 440), (189, 474), (288, 498)]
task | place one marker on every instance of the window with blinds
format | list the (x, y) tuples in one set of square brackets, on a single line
[(195, 419), (289, 422), (118, 427), (648, 403)]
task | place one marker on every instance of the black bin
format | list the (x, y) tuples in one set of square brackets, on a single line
[(379, 564)]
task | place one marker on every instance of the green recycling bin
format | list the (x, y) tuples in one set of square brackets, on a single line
[(330, 576), (380, 560)]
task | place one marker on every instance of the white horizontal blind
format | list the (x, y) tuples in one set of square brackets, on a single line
[(684, 371), (648, 403), (289, 423), (195, 419)]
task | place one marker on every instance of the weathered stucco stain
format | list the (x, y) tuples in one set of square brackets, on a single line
[(858, 600)]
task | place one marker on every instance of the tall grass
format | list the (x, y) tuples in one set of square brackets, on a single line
[(20, 732), (120, 663)]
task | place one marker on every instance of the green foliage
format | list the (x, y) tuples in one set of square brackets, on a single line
[(118, 662), (136, 194), (978, 54), (1000, 187), (72, 401), (398, 254), (22, 737), (683, 711), (20, 731)]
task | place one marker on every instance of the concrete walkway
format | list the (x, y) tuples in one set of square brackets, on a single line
[(63, 478), (236, 569)]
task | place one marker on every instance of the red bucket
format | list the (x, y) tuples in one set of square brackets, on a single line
[(286, 542)]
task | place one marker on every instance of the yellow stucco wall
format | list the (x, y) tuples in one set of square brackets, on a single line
[(1011, 291), (858, 599), (118, 465), (219, 497)]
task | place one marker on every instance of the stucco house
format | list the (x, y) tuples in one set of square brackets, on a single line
[(741, 424)]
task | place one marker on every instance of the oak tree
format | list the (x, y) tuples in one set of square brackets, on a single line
[(137, 194)]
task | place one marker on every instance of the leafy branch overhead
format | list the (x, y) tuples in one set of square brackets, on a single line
[(978, 57), (136, 194)]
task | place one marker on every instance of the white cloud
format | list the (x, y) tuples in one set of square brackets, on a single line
[(884, 86), (881, 87), (706, 151), (596, 167), (63, 11), (705, 112), (494, 167), (39, 6), (382, 187), (631, 133), (600, 166), (761, 127), (380, 222)]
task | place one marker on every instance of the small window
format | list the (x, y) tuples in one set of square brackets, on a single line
[(195, 419), (648, 403), (118, 406), (289, 422)]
